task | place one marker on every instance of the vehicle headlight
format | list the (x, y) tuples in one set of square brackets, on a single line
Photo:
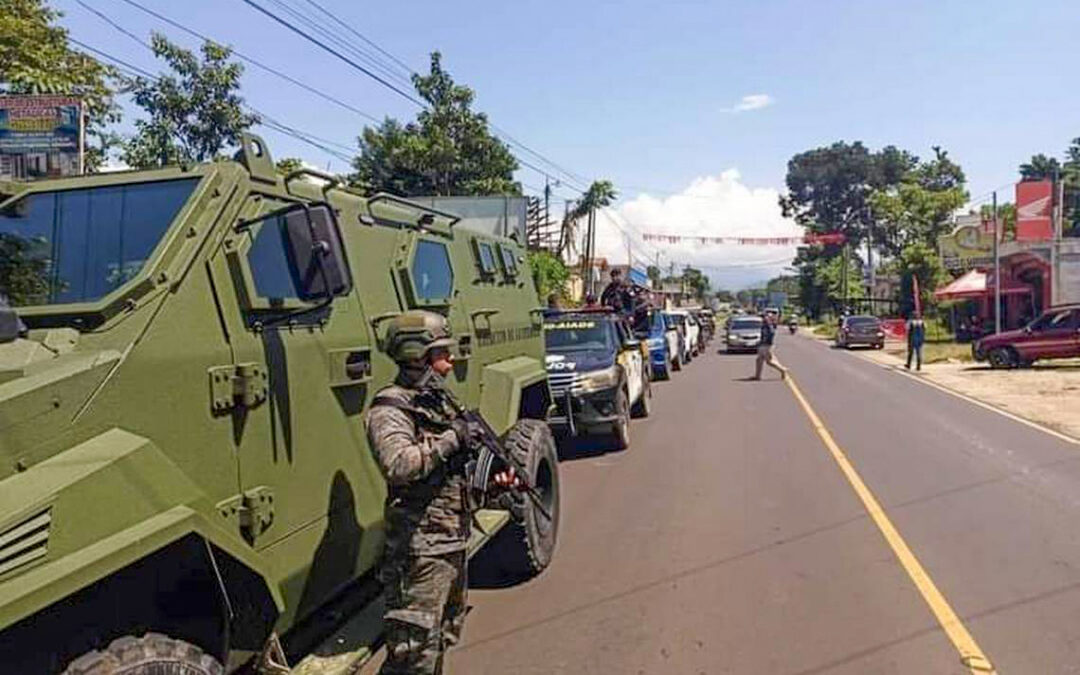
[(656, 343), (599, 379)]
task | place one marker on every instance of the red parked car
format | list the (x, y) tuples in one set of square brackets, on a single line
[(1054, 335)]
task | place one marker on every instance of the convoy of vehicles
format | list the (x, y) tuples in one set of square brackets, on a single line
[(860, 330), (1054, 335), (184, 475), (598, 372)]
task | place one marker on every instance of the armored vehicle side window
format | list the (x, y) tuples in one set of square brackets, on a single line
[(74, 246), (432, 275), (272, 269), (509, 263), (487, 258)]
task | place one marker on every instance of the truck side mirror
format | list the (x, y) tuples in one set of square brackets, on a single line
[(318, 253)]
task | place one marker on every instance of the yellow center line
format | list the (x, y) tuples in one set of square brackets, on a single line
[(971, 656)]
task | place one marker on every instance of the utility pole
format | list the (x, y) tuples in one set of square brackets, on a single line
[(997, 270), (1055, 242), (844, 277)]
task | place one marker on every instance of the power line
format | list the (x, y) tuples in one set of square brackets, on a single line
[(360, 35), (256, 6), (248, 59), (265, 119), (571, 176)]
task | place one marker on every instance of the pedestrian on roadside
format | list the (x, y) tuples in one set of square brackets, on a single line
[(916, 336), (764, 350), (421, 446)]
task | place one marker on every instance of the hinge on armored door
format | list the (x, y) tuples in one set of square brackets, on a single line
[(252, 511), (244, 384)]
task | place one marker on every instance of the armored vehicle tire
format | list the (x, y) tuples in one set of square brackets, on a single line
[(644, 406), (533, 536), (151, 654)]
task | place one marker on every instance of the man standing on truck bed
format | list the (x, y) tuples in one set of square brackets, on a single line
[(421, 447)]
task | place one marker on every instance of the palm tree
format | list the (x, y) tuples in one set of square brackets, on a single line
[(1040, 167), (599, 195)]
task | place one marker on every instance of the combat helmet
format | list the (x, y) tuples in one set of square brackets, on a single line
[(413, 334)]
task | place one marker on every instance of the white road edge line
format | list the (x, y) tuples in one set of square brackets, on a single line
[(970, 399)]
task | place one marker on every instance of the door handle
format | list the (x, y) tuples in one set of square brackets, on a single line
[(350, 367)]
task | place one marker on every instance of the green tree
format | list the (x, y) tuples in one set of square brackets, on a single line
[(724, 295), (549, 274), (35, 58), (448, 150), (1006, 218), (1039, 167), (921, 260), (654, 274), (697, 282), (24, 269), (195, 114), (287, 165)]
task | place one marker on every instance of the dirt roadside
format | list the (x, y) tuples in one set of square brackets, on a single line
[(1047, 393)]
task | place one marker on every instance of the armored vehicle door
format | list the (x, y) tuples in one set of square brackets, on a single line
[(309, 486)]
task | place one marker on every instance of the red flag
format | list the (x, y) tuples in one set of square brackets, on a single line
[(915, 295)]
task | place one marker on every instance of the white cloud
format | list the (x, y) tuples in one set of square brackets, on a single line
[(751, 102), (712, 206)]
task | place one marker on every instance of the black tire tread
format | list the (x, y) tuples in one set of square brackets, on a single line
[(152, 653), (518, 443)]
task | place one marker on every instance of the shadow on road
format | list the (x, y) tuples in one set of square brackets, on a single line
[(585, 447)]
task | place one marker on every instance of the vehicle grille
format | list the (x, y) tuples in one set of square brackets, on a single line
[(561, 382), (25, 542)]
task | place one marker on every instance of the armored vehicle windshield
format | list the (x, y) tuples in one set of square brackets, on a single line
[(74, 246)]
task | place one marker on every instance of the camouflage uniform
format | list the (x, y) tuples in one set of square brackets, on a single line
[(427, 521)]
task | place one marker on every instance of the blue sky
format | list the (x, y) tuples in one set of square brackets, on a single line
[(644, 93)]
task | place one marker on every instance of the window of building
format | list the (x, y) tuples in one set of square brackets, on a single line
[(432, 275), (75, 246)]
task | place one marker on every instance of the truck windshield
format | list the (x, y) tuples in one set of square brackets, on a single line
[(579, 335), (71, 246)]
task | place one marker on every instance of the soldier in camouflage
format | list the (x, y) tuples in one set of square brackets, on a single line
[(421, 447)]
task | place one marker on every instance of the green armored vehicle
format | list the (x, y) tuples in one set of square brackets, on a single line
[(184, 472)]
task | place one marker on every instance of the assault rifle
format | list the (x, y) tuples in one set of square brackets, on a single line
[(491, 447)]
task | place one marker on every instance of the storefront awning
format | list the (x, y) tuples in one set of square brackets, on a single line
[(973, 285)]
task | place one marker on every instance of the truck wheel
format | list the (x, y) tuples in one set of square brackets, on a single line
[(151, 654), (620, 430), (644, 405), (676, 363), (533, 536)]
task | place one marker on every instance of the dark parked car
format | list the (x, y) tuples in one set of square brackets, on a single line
[(1054, 335), (860, 330)]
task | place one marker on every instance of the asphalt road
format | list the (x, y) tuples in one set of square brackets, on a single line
[(727, 539)]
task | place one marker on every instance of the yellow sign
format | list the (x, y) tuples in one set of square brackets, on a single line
[(967, 247)]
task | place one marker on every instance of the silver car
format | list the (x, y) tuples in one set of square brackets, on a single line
[(744, 334)]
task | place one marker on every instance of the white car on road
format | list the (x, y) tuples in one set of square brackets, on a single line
[(690, 331)]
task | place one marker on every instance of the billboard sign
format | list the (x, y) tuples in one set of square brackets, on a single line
[(40, 136), (1034, 207), (967, 247)]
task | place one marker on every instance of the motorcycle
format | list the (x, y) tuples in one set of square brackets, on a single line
[(793, 327)]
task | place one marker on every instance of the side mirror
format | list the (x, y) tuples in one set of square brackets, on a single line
[(317, 252)]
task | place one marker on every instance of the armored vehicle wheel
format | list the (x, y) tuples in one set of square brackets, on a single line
[(151, 654), (533, 536), (644, 404)]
